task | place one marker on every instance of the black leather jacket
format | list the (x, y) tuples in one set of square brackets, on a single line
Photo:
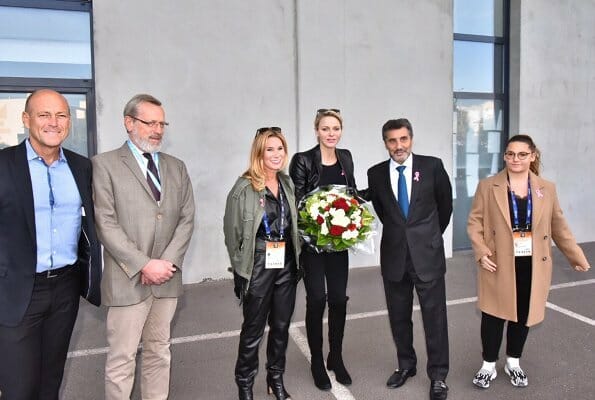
[(305, 169)]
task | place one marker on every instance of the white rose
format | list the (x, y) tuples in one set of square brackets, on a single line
[(313, 211), (357, 220), (349, 234), (323, 229), (340, 219)]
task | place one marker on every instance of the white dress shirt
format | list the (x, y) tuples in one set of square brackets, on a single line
[(394, 176)]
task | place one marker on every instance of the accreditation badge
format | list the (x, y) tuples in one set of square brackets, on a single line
[(523, 245), (275, 255)]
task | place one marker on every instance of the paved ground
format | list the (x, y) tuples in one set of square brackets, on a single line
[(559, 355)]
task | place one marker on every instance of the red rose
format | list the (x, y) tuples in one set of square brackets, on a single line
[(341, 203), (337, 230), (319, 220), (354, 202), (351, 227)]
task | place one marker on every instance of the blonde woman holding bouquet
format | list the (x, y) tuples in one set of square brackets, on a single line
[(261, 236), (323, 165)]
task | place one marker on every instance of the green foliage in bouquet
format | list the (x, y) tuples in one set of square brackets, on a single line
[(333, 220)]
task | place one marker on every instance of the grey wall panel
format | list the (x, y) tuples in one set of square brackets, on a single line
[(222, 69)]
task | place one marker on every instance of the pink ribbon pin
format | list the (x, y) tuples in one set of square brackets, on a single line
[(416, 176), (539, 193)]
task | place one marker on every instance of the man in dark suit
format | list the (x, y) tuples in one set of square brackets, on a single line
[(49, 254), (412, 196)]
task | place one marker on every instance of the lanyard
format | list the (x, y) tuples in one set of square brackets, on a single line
[(265, 218), (515, 208)]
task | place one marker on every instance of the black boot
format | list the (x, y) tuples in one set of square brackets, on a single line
[(245, 388), (250, 337), (336, 327), (275, 386), (314, 313)]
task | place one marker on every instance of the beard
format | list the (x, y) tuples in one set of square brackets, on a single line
[(145, 144)]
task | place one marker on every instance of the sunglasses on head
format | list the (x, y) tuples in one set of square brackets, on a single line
[(262, 130), (324, 110)]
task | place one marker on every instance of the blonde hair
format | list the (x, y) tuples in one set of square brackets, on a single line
[(255, 172), (327, 113)]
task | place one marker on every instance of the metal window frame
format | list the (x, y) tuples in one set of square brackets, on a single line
[(75, 86), (504, 97), (503, 68)]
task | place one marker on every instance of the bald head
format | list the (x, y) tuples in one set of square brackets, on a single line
[(47, 117), (44, 93)]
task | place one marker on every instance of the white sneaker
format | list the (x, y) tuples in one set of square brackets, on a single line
[(518, 377), (483, 377)]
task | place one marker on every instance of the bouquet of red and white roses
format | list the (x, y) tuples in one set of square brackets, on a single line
[(332, 219)]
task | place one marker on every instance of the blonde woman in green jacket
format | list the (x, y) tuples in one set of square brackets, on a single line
[(261, 236)]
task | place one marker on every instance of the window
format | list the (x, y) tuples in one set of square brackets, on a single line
[(480, 85), (47, 44)]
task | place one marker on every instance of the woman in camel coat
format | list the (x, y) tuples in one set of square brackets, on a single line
[(515, 288)]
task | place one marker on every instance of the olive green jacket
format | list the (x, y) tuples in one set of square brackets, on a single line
[(244, 210)]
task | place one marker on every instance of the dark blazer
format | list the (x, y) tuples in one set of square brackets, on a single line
[(18, 247), (430, 207), (305, 169)]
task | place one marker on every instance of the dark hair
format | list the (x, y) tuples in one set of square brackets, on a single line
[(535, 165), (392, 124)]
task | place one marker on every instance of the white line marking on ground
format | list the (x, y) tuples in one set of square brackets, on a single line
[(571, 314), (339, 391), (371, 314), (573, 284)]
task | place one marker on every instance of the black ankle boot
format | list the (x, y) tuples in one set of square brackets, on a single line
[(275, 386), (245, 388), (336, 327)]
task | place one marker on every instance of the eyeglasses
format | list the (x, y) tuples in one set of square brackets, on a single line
[(262, 130), (522, 155), (151, 124), (324, 110)]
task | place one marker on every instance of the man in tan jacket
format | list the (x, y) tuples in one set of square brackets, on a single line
[(145, 219)]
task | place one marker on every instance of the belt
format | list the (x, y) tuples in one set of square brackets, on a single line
[(55, 273)]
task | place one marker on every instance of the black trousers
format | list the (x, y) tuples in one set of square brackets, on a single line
[(271, 296), (492, 327), (329, 268), (33, 354), (432, 300)]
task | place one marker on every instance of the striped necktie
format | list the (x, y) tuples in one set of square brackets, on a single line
[(153, 169)]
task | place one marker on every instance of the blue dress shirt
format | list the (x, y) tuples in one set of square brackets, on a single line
[(58, 210)]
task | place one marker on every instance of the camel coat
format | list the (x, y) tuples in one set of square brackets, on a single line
[(489, 230)]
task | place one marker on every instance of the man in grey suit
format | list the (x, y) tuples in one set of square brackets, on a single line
[(144, 209)]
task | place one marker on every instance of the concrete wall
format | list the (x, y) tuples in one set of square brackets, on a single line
[(222, 69), (385, 59), (554, 92)]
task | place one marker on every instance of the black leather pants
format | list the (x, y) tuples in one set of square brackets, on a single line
[(271, 295)]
